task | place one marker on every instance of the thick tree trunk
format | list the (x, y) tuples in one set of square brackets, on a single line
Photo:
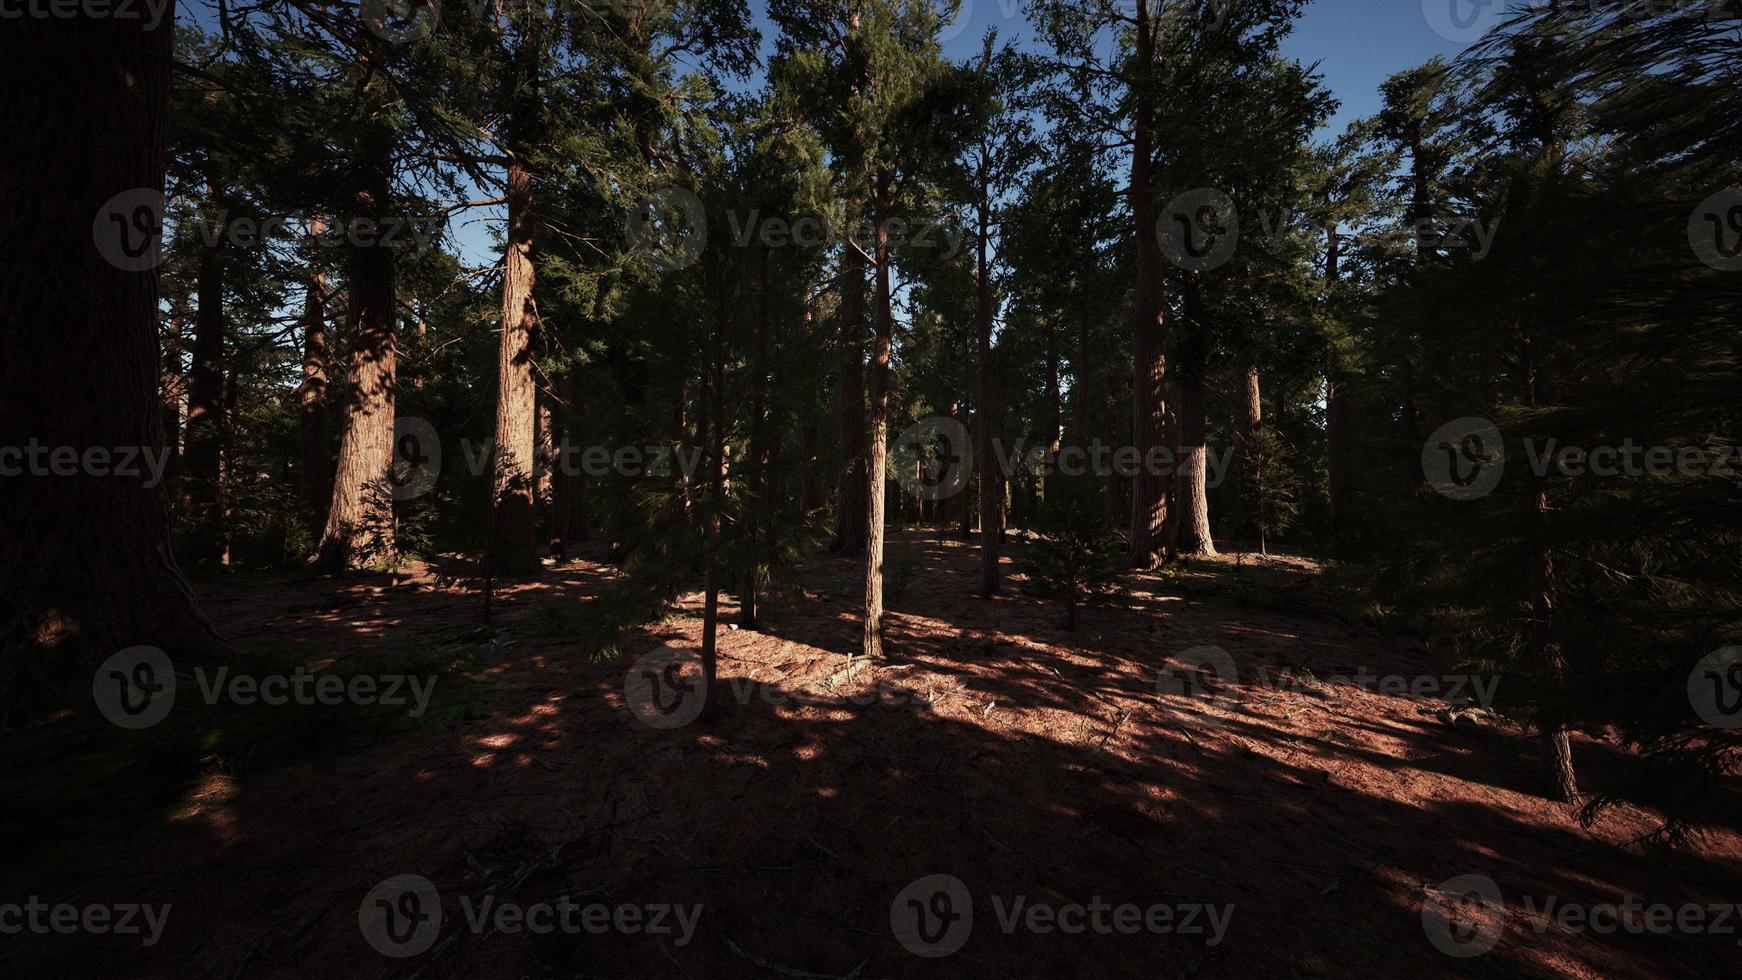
[(85, 562), (1149, 375), (879, 443), (1193, 518), (360, 529), (1194, 504), (850, 529), (513, 547), (315, 473), (991, 485), (205, 424)]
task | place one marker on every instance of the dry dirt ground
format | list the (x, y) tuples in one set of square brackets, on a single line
[(992, 746)]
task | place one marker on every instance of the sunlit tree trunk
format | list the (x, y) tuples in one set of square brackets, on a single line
[(513, 546), (360, 528), (879, 443), (991, 486), (1194, 501)]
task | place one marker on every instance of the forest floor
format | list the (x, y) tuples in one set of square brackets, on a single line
[(1312, 815)]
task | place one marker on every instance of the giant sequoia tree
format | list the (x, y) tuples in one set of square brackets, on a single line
[(86, 567)]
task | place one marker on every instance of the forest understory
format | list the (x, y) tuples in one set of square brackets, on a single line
[(988, 744)]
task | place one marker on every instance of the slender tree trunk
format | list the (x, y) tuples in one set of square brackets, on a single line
[(85, 563), (1149, 376), (205, 424), (991, 486), (966, 497), (513, 546), (758, 447), (315, 473), (1251, 415), (1558, 779), (877, 457), (716, 448), (360, 527), (1194, 539)]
